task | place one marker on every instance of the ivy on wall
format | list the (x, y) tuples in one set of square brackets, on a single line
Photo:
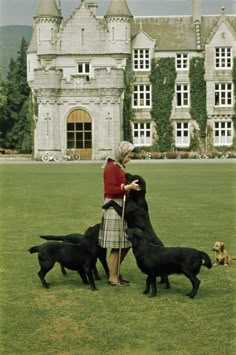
[(162, 77), (198, 109), (234, 85), (127, 106)]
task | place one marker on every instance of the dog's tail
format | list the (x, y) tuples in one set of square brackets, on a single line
[(34, 249), (206, 261), (52, 237)]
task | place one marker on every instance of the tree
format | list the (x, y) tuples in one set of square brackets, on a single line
[(15, 126), (3, 102), (22, 129)]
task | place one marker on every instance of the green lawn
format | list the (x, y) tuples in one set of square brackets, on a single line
[(190, 205)]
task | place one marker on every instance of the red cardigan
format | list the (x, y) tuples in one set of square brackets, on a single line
[(113, 177)]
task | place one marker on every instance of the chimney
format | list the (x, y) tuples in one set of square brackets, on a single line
[(196, 10)]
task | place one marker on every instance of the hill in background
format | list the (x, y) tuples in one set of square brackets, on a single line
[(10, 40)]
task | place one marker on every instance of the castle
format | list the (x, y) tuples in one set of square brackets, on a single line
[(76, 68)]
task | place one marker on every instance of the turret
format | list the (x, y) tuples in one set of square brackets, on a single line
[(47, 22), (118, 19)]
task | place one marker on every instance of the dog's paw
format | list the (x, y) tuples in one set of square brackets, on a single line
[(46, 285)]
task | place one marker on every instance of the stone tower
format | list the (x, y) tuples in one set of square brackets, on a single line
[(118, 17), (47, 22)]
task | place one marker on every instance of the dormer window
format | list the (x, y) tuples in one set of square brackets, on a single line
[(223, 58), (141, 59), (182, 61)]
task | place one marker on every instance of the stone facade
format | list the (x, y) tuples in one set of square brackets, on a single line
[(76, 73)]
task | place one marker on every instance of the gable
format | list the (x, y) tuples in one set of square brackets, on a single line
[(142, 40), (222, 34), (81, 33)]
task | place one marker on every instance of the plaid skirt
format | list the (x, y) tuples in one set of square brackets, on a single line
[(110, 234)]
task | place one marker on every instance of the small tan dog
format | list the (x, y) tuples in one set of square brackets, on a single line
[(221, 255)]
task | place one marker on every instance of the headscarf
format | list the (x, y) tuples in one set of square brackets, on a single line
[(122, 149)]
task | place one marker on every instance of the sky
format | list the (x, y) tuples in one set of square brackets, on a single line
[(21, 12)]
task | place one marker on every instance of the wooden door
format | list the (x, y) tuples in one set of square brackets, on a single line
[(79, 134)]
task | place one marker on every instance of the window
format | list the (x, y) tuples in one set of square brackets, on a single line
[(223, 58), (84, 68), (182, 61), (82, 36), (142, 96), (79, 135), (182, 134), (182, 95), (141, 59), (113, 34), (223, 133), (142, 134), (223, 94), (52, 34)]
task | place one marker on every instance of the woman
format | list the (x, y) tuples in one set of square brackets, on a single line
[(111, 233)]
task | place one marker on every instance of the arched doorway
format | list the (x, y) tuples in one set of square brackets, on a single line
[(79, 134)]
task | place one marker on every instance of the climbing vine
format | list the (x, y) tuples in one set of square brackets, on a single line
[(234, 85), (198, 109), (162, 77), (127, 106)]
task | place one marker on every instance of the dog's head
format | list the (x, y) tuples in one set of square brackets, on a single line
[(218, 247), (134, 235), (92, 232), (141, 182)]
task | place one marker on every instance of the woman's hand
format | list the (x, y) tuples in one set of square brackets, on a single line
[(132, 186)]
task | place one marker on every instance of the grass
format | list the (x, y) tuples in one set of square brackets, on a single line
[(190, 205)]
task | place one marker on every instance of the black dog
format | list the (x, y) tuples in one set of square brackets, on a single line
[(75, 238), (80, 257), (137, 215), (155, 260)]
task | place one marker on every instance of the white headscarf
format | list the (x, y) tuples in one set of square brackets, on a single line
[(122, 149)]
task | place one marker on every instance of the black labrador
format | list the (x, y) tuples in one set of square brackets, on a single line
[(75, 238), (81, 257), (156, 260), (137, 215)]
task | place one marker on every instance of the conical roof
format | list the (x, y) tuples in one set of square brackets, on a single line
[(118, 8), (48, 8)]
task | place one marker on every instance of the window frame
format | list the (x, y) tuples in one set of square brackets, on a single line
[(141, 56), (139, 128), (181, 94), (77, 136), (223, 94), (84, 72), (184, 57), (220, 129), (222, 57), (180, 141), (140, 96)]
